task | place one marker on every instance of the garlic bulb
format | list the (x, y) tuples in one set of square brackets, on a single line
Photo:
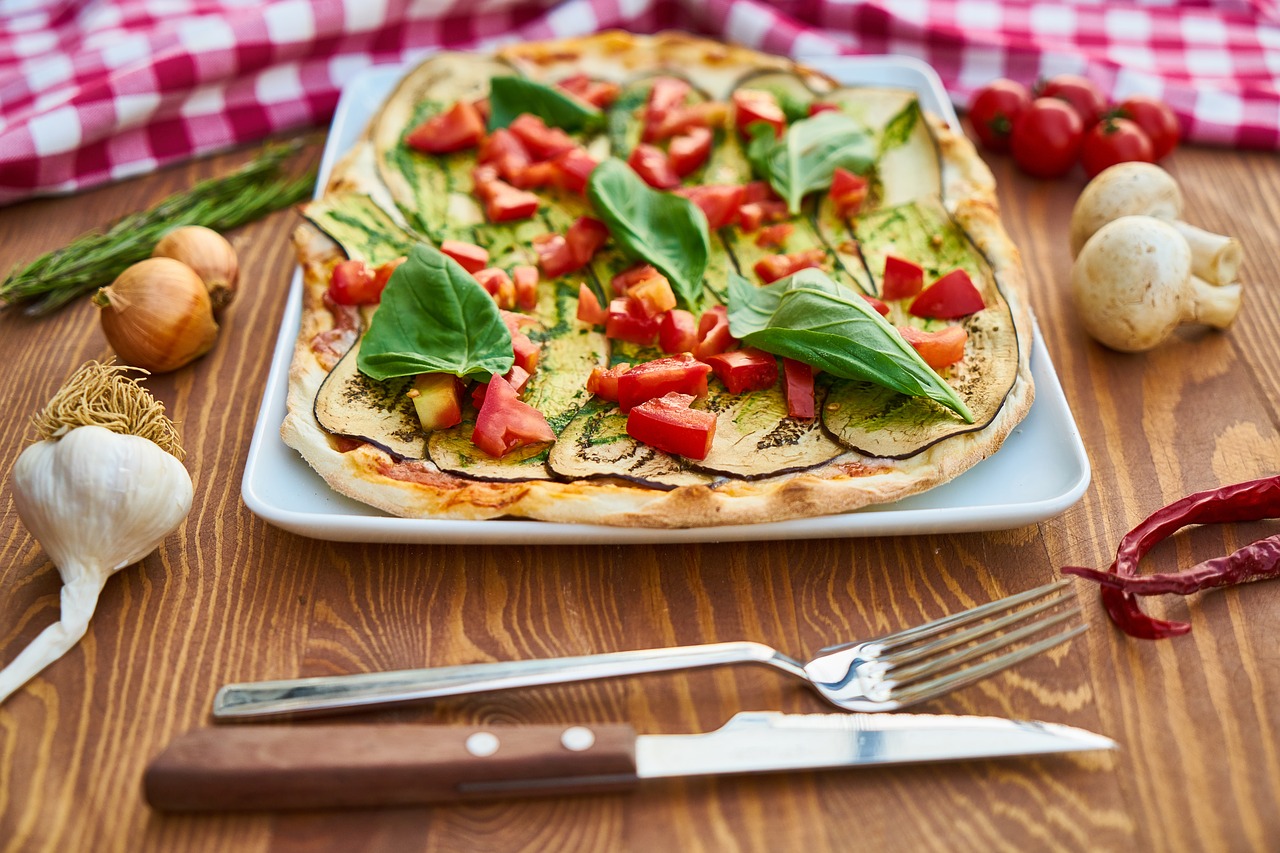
[(210, 255), (157, 315), (97, 501)]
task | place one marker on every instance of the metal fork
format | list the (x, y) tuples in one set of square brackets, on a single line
[(884, 674)]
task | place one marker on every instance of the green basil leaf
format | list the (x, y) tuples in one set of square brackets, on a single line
[(659, 228), (810, 318), (511, 96), (435, 318), (808, 154)]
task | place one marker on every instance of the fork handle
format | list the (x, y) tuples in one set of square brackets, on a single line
[(330, 693)]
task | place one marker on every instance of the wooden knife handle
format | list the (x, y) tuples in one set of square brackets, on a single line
[(340, 766)]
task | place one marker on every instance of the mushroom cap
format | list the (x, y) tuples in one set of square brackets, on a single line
[(1132, 283), (1126, 189)]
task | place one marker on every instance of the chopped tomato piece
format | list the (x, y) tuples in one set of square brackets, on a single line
[(752, 106), (505, 203), (758, 191), (382, 274), (848, 191), (553, 254), (573, 169), (773, 267), (598, 93), (948, 298), (718, 202), (541, 174), (817, 107), (678, 331), (542, 142), (589, 308), (527, 352), (713, 332), (627, 321), (437, 400), (457, 128), (938, 349), (623, 281), (653, 295), (708, 114), (775, 236), (680, 373), (604, 383), (901, 278), (649, 288), (667, 423), (754, 213), (585, 236), (667, 94), (688, 151), (653, 166), (526, 282), (471, 257), (560, 254), (504, 150), (354, 283), (746, 369), (797, 379), (505, 423), (881, 308), (498, 284), (517, 377)]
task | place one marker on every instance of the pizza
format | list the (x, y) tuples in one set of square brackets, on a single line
[(653, 281)]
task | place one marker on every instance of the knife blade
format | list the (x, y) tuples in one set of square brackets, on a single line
[(368, 765)]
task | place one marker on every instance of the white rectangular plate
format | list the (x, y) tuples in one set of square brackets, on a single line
[(1040, 471)]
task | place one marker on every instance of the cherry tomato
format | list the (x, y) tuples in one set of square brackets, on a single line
[(1046, 138), (1112, 141), (1085, 98), (993, 110), (1156, 120)]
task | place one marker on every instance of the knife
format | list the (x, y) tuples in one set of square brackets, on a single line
[(336, 766)]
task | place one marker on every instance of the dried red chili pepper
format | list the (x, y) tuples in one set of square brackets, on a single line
[(1251, 501)]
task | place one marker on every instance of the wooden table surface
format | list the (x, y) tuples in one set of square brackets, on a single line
[(228, 597)]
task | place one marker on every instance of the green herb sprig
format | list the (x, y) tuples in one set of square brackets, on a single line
[(94, 260)]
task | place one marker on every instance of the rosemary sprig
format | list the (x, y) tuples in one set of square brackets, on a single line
[(94, 260)]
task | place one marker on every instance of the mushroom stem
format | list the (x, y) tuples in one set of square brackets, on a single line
[(1214, 257), (1214, 305)]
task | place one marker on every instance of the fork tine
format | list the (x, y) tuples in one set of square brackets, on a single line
[(982, 611), (966, 635), (901, 674), (964, 677)]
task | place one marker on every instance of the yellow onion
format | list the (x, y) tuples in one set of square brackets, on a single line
[(157, 315), (209, 254)]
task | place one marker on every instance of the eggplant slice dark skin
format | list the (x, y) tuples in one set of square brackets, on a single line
[(351, 404)]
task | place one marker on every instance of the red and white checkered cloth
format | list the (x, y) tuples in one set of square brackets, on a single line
[(95, 91)]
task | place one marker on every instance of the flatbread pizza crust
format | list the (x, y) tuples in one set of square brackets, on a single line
[(417, 489)]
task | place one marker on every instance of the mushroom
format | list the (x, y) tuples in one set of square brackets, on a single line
[(1133, 285), (1145, 189)]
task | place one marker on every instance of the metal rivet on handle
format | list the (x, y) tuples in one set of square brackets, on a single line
[(577, 738), (481, 744)]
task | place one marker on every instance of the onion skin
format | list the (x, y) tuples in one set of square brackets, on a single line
[(157, 315), (210, 255)]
